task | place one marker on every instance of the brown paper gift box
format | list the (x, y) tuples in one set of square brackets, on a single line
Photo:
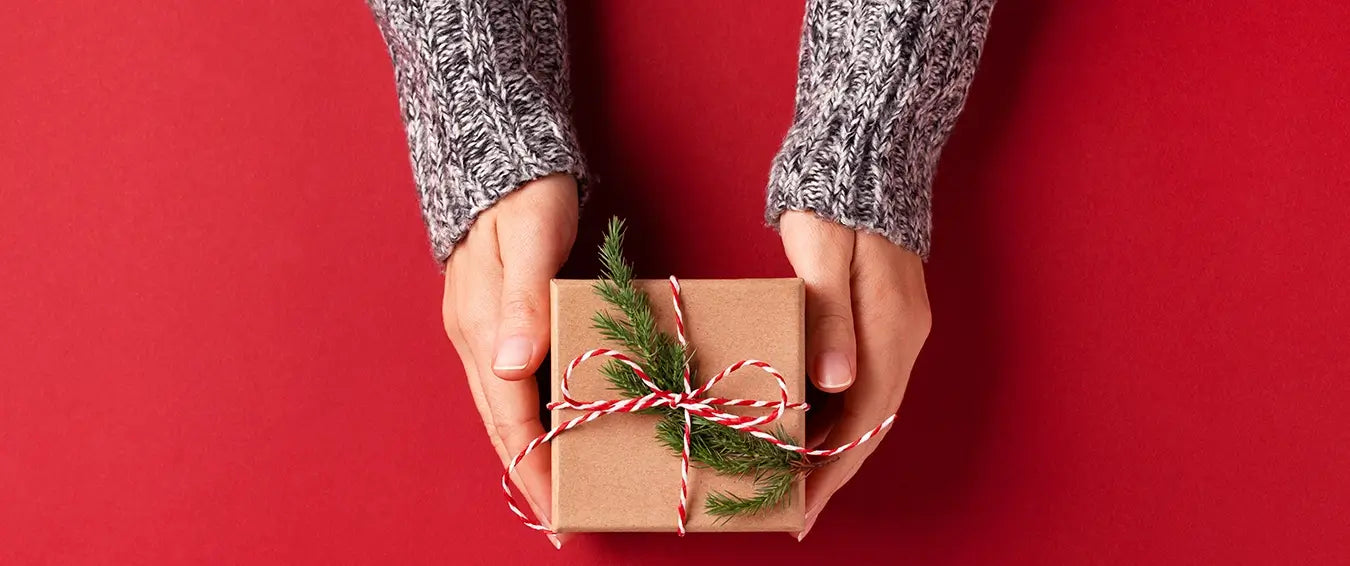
[(612, 475)]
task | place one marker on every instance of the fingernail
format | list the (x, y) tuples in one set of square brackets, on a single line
[(810, 522), (835, 371), (513, 353), (557, 543)]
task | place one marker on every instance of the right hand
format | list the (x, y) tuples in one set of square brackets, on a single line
[(867, 318), (496, 309)]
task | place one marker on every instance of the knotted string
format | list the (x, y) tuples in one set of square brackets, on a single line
[(692, 402)]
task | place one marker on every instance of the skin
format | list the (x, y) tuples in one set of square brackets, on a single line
[(867, 317)]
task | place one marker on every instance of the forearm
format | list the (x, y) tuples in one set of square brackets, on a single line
[(483, 91), (880, 84)]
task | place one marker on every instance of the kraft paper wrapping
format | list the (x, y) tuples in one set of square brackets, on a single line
[(612, 475)]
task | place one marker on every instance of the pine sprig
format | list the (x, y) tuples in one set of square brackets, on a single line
[(660, 355), (770, 490), (722, 449), (725, 450)]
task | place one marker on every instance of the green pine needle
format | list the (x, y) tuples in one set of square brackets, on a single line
[(770, 491), (722, 449)]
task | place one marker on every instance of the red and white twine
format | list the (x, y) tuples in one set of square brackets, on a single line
[(692, 402)]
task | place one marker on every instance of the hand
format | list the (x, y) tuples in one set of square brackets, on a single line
[(496, 309), (867, 316)]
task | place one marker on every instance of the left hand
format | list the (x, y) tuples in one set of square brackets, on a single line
[(867, 317)]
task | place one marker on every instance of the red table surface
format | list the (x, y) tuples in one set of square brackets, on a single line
[(219, 325)]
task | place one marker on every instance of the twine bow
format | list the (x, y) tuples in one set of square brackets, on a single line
[(692, 402)]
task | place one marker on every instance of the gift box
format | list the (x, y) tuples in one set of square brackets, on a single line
[(614, 474)]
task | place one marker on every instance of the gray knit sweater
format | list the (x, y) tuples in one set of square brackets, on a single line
[(483, 90)]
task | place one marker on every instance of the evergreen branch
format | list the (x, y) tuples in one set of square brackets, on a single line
[(724, 450), (660, 355), (770, 491), (621, 378)]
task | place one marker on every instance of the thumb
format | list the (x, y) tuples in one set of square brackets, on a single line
[(533, 245), (821, 253)]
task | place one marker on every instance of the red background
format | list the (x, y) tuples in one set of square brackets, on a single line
[(219, 334)]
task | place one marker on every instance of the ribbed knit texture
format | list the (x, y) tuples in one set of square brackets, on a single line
[(879, 86), (483, 89)]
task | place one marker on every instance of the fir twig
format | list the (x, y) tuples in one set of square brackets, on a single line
[(770, 491), (722, 449)]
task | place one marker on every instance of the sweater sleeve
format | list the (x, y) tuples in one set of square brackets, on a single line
[(482, 86), (879, 86)]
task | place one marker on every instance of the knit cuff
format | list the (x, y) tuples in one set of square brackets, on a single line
[(485, 102), (858, 188), (879, 87), (503, 177)]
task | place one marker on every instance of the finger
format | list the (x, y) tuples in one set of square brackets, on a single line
[(541, 509), (533, 244), (458, 263), (509, 409), (806, 530), (821, 253), (892, 325)]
